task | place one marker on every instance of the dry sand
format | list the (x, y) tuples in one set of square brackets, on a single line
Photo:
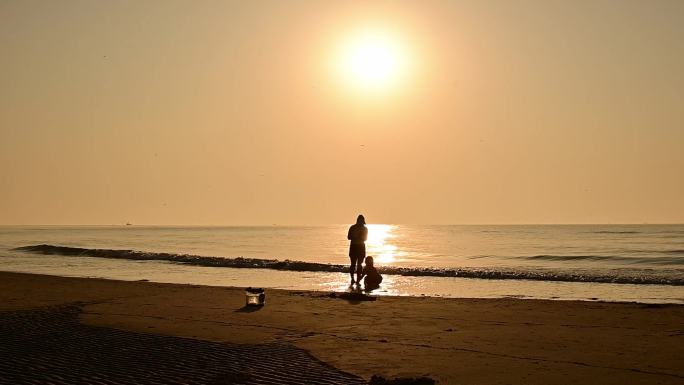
[(455, 341)]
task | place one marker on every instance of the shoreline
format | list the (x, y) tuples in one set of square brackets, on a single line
[(374, 293), (492, 273), (453, 340), (441, 287)]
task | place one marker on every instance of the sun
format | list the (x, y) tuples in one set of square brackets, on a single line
[(372, 60)]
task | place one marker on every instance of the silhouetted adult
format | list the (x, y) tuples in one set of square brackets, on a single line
[(358, 233)]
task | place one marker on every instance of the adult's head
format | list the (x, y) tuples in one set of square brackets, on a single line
[(360, 220)]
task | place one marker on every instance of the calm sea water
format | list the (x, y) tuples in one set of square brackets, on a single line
[(557, 262)]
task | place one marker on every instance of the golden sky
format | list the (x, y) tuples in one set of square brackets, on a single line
[(241, 112)]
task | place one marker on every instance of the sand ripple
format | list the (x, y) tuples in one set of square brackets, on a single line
[(50, 346)]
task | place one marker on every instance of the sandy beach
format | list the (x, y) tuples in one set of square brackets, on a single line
[(506, 176), (314, 337)]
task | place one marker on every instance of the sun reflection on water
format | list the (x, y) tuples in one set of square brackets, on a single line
[(378, 244)]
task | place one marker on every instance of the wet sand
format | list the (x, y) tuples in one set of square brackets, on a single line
[(147, 332), (50, 345)]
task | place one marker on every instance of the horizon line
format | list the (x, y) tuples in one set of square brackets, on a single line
[(125, 224)]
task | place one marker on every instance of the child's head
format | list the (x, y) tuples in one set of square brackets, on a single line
[(369, 261)]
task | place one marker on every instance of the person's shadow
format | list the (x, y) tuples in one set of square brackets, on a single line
[(355, 296), (248, 309)]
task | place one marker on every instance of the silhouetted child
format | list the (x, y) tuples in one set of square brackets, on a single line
[(372, 278)]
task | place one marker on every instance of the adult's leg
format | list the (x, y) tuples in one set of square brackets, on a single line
[(352, 267), (361, 255)]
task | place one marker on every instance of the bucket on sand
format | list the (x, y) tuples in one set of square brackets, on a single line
[(255, 296)]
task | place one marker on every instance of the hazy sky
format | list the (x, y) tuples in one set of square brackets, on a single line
[(218, 112)]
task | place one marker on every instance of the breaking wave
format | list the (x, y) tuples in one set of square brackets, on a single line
[(254, 263), (652, 260), (615, 232)]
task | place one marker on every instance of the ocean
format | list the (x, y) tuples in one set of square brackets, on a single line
[(643, 263)]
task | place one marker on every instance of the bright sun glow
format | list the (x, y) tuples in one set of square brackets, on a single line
[(372, 61), (379, 246)]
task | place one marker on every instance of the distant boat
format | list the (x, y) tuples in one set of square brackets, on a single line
[(129, 224)]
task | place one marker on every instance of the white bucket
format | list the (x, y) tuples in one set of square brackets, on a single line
[(255, 297)]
